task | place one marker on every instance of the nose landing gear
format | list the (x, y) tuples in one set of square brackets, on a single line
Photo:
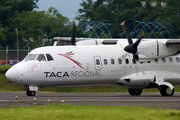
[(31, 90), (30, 93)]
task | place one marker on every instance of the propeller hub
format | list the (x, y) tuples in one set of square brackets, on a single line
[(130, 49)]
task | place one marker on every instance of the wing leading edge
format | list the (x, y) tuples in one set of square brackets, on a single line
[(173, 42)]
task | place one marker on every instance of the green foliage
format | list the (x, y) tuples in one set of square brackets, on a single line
[(5, 67), (35, 28), (38, 28), (8, 11), (120, 10), (8, 8), (28, 25), (85, 12), (52, 24), (3, 32)]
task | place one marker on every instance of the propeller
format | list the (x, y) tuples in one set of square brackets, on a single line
[(132, 47), (73, 39)]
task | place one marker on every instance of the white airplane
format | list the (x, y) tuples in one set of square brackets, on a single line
[(135, 65)]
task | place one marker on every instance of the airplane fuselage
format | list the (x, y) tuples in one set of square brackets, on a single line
[(93, 65), (101, 65)]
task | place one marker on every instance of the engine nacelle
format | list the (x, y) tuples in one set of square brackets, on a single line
[(153, 49)]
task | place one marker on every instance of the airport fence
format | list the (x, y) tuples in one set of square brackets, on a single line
[(13, 54)]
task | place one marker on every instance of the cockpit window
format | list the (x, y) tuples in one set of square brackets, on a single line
[(31, 57), (41, 57), (49, 57)]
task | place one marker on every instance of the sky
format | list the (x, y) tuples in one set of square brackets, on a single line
[(67, 8)]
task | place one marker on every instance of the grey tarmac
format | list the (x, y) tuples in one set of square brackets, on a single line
[(154, 100)]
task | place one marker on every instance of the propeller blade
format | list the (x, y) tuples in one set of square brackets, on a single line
[(73, 39), (139, 40), (132, 48), (126, 32), (143, 34)]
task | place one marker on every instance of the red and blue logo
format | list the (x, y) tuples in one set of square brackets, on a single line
[(69, 56)]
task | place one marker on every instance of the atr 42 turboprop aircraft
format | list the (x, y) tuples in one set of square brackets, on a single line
[(131, 64)]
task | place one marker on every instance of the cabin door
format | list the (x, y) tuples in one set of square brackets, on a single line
[(97, 63)]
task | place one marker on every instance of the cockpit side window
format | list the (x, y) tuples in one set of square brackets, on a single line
[(31, 57), (49, 57), (41, 57)]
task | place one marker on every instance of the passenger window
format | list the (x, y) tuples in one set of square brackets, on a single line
[(112, 61), (163, 60), (119, 61), (148, 61), (156, 60), (170, 60), (49, 57), (134, 61), (41, 57), (127, 61), (105, 61), (97, 61), (177, 59)]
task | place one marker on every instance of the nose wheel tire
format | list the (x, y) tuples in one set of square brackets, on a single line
[(30, 93), (135, 91), (166, 91)]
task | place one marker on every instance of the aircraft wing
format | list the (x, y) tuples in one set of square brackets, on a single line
[(103, 41), (173, 42), (69, 39)]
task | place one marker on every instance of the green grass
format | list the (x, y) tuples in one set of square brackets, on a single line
[(87, 112), (4, 68)]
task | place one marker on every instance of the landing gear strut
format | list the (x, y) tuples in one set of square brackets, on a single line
[(30, 93), (135, 91), (166, 91)]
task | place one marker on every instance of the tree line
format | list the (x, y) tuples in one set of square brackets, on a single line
[(119, 10), (37, 28)]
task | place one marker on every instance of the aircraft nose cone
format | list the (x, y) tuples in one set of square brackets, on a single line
[(12, 74)]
